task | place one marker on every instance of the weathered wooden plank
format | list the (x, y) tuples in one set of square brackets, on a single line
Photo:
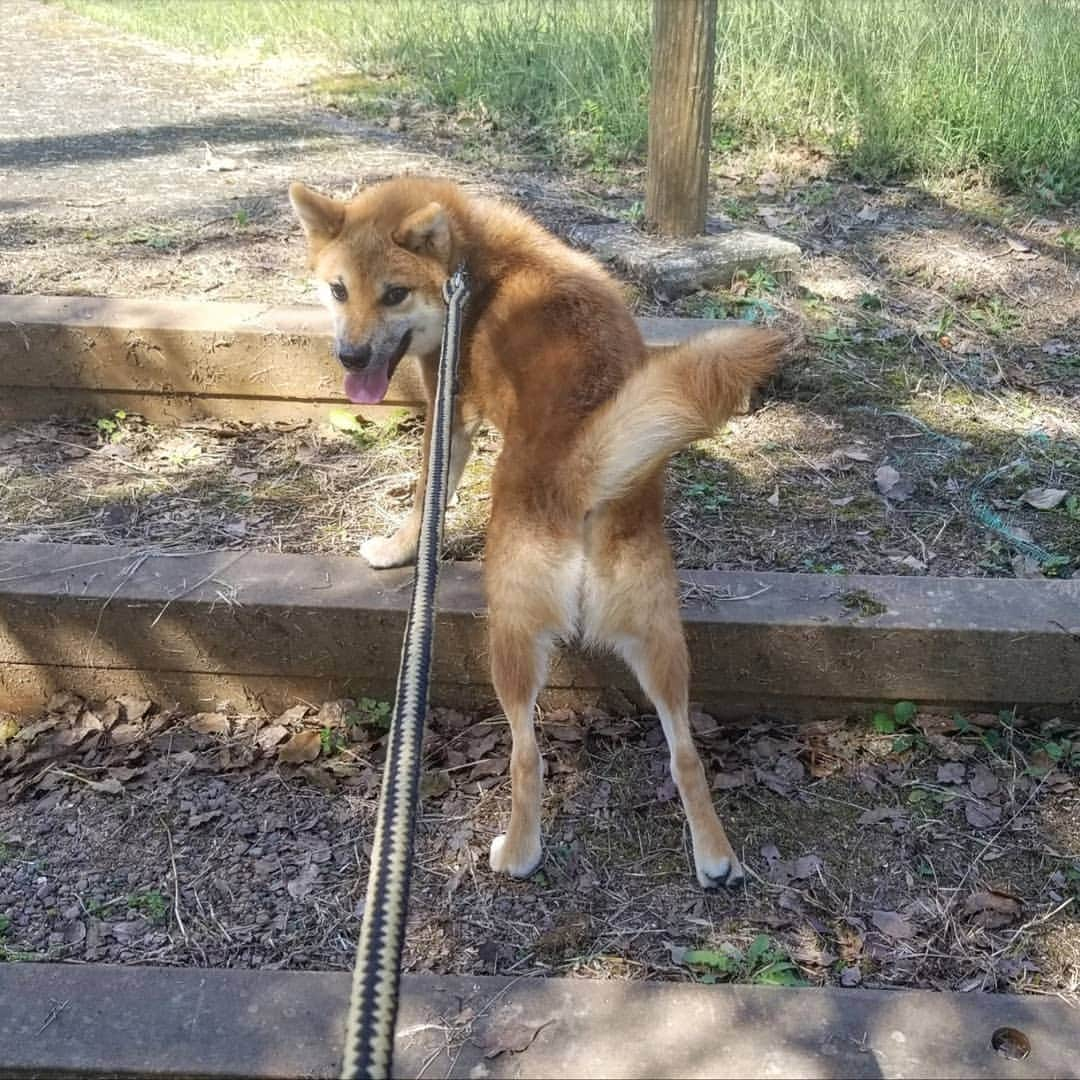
[(283, 626), (179, 359)]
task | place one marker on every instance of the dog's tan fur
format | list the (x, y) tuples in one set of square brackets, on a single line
[(551, 356)]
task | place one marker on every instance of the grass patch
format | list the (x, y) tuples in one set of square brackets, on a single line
[(862, 602), (151, 903), (907, 87)]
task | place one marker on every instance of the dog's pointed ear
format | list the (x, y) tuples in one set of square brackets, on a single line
[(321, 217), (426, 232)]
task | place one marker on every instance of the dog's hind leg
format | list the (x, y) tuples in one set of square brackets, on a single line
[(532, 593), (631, 604), (518, 665)]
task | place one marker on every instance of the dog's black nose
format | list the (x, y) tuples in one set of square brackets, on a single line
[(354, 357)]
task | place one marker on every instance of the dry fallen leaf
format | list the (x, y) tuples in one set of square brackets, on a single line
[(855, 453), (434, 784), (293, 715), (805, 867), (270, 736), (775, 217), (1043, 498), (563, 732), (134, 708), (492, 766), (209, 723), (892, 485), (892, 924), (913, 563), (303, 746), (897, 819), (109, 786), (725, 781), (1024, 566), (768, 182), (506, 1032), (983, 781), (124, 734), (992, 909), (952, 773), (981, 815), (30, 732), (304, 882)]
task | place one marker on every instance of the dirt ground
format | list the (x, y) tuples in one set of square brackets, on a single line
[(895, 850), (940, 340), (936, 383)]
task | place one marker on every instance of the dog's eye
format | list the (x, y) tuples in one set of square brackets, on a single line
[(394, 295), (339, 292)]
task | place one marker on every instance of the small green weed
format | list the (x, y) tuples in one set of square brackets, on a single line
[(16, 956), (5, 925), (154, 238), (929, 799), (757, 283), (736, 210), (899, 722), (705, 305), (706, 495), (945, 322), (150, 903), (862, 602), (816, 566), (241, 219), (1069, 239), (764, 962), (370, 713), (835, 337), (112, 428), (818, 195), (817, 308), (330, 741), (995, 317)]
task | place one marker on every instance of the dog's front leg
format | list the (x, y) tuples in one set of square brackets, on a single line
[(382, 552)]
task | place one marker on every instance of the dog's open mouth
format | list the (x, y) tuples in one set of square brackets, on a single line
[(368, 387)]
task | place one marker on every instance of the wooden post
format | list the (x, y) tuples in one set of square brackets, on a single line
[(680, 115)]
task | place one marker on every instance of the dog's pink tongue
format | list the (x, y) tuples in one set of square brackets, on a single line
[(367, 387)]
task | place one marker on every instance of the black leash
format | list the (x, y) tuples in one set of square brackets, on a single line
[(369, 1036)]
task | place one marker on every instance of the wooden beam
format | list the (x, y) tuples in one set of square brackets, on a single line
[(177, 360), (680, 115)]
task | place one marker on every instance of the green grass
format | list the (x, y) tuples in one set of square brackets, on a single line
[(894, 87), (151, 903)]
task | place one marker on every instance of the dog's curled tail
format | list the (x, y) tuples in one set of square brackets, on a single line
[(678, 396)]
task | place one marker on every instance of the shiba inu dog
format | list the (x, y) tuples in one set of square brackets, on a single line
[(551, 356)]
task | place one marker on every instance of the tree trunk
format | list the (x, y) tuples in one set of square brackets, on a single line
[(680, 115)]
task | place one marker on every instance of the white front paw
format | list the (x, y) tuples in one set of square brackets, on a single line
[(382, 552), (520, 864)]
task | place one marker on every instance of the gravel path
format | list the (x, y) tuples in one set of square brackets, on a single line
[(107, 186)]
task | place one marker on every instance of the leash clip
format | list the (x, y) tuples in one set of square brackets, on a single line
[(457, 282)]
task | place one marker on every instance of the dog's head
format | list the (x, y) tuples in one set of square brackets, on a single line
[(379, 263)]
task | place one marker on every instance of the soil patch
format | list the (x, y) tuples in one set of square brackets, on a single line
[(895, 850)]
